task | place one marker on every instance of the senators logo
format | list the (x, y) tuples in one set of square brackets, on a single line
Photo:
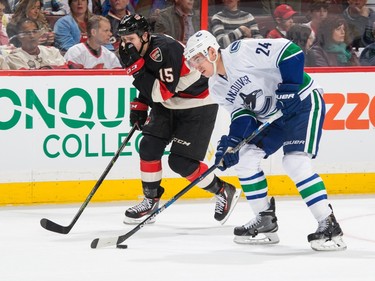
[(156, 55)]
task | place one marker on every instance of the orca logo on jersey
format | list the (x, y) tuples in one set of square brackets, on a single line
[(235, 46), (250, 100), (156, 55)]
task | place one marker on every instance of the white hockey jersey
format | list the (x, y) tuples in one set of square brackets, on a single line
[(79, 56), (253, 75), (47, 57)]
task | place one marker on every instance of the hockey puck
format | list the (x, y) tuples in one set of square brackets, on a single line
[(122, 246)]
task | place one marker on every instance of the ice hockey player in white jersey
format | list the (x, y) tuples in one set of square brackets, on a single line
[(255, 79)]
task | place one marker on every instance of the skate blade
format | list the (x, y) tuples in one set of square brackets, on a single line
[(335, 244), (128, 220), (235, 199), (260, 239)]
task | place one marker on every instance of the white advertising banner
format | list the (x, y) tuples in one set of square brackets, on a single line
[(68, 127)]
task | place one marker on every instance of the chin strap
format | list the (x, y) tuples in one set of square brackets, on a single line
[(214, 62), (143, 43)]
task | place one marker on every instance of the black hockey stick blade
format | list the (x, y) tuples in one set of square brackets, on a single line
[(54, 227)]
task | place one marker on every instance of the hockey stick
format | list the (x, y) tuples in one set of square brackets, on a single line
[(111, 241), (52, 226)]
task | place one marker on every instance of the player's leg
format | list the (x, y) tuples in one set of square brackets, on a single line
[(304, 132), (156, 135), (151, 150), (193, 132), (261, 229), (226, 194)]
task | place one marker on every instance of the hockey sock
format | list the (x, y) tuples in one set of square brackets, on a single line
[(207, 181), (151, 174), (255, 188), (309, 184)]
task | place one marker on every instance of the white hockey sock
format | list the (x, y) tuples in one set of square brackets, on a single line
[(309, 184)]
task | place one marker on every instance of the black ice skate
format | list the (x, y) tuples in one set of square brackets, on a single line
[(260, 230), (226, 200), (328, 236), (141, 211)]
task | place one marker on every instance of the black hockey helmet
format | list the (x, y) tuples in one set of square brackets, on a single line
[(133, 24)]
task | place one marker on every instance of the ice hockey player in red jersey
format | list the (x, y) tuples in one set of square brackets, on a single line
[(182, 114)]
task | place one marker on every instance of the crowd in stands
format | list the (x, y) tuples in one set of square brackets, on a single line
[(37, 34)]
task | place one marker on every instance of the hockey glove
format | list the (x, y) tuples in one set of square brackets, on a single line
[(131, 59), (138, 113), (224, 157), (288, 99)]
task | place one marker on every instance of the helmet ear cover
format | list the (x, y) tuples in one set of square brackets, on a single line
[(200, 42)]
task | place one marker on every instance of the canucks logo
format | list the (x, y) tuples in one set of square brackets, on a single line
[(235, 46), (250, 100)]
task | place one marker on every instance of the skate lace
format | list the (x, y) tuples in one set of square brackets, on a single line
[(220, 203), (323, 225), (143, 206), (254, 222)]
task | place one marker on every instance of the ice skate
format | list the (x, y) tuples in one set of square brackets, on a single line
[(226, 200), (260, 230), (328, 236), (141, 211)]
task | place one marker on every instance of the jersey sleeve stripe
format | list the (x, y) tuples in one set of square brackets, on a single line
[(290, 50)]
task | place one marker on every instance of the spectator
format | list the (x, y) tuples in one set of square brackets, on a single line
[(100, 7), (92, 53), (318, 11), (116, 13), (4, 40), (337, 6), (359, 18), (31, 9), (283, 16), (269, 5), (301, 35), (12, 5), (54, 7), (3, 63), (31, 55), (367, 57), (330, 48), (232, 24), (149, 7), (90, 5), (72, 28), (179, 21)]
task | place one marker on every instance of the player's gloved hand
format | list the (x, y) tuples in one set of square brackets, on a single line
[(288, 99), (131, 59), (138, 113), (224, 158)]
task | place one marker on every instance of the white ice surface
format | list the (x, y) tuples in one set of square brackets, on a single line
[(185, 243)]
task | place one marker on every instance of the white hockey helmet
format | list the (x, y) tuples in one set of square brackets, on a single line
[(199, 43)]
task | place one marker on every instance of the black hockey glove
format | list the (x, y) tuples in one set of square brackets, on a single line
[(138, 113), (224, 159), (288, 99), (131, 59)]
